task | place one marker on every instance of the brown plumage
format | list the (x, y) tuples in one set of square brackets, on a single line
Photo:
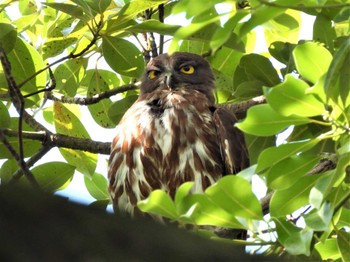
[(173, 133)]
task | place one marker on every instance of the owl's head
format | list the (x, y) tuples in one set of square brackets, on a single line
[(179, 71)]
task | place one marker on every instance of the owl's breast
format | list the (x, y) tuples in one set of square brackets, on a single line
[(163, 141)]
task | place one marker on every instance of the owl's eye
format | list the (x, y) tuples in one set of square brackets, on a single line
[(152, 74), (188, 69)]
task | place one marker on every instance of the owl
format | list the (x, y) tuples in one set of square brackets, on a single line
[(173, 133)]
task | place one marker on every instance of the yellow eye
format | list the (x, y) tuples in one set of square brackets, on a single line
[(188, 70), (152, 74)]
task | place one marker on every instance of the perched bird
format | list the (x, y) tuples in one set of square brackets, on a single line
[(173, 133)]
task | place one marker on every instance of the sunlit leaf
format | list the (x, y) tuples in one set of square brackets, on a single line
[(53, 175), (99, 111), (284, 27), (328, 249), (234, 194), (27, 7), (183, 191), (68, 123), (262, 120), (311, 60), (73, 10), (97, 186), (158, 203), (69, 74), (199, 209), (289, 98)]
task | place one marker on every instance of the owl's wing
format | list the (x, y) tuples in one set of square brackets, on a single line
[(233, 148)]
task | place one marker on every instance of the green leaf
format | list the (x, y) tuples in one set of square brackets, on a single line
[(311, 60), (284, 202), (68, 123), (273, 155), (182, 192), (98, 6), (288, 171), (118, 108), (153, 26), (284, 27), (283, 53), (30, 147), (290, 98), (337, 78), (132, 8), (72, 10), (344, 219), (234, 194), (259, 16), (97, 186), (5, 119), (69, 74), (295, 240), (55, 47), (299, 244), (122, 56), (319, 219), (99, 111), (256, 67), (285, 229), (8, 37), (328, 249), (53, 176), (200, 210), (256, 145), (7, 169), (27, 7), (262, 120), (159, 203), (323, 31), (25, 62)]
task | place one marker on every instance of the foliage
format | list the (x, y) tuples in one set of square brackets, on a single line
[(51, 47)]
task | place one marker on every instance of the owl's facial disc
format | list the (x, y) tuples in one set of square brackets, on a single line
[(179, 71)]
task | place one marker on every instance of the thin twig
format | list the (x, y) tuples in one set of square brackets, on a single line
[(161, 19)]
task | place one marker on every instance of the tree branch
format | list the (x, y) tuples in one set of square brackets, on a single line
[(92, 99), (60, 140)]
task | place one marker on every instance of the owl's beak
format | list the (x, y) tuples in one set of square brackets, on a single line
[(169, 81)]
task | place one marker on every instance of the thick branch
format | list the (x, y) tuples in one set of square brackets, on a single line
[(59, 140), (242, 107)]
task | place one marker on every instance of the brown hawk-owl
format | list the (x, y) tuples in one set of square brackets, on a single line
[(173, 133)]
